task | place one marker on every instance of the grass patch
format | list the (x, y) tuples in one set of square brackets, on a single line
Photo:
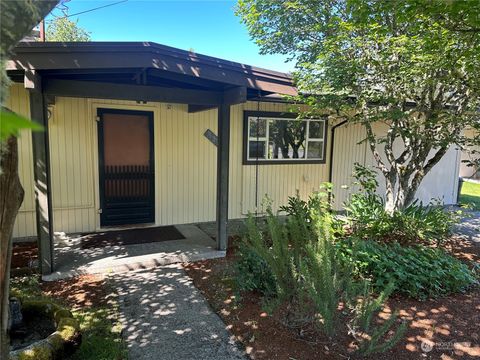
[(100, 326), (470, 195), (101, 335)]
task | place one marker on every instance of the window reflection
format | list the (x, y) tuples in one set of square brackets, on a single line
[(285, 138)]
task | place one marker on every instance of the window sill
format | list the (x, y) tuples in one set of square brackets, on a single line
[(282, 162)]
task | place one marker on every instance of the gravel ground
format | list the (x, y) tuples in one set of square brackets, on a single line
[(166, 317)]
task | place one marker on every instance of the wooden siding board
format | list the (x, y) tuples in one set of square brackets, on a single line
[(440, 183), (25, 224), (185, 164)]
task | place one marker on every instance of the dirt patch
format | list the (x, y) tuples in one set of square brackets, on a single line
[(80, 291), (444, 328), (463, 249), (24, 254), (263, 336)]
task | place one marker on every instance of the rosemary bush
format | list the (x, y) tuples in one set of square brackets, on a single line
[(300, 256)]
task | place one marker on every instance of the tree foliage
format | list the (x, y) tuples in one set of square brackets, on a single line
[(411, 64), (64, 29)]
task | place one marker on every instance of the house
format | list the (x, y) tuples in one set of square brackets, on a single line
[(141, 133)]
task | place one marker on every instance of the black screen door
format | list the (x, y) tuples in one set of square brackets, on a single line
[(126, 170)]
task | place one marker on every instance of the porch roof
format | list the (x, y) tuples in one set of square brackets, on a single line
[(134, 71), (144, 63)]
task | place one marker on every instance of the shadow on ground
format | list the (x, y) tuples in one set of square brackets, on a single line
[(165, 317)]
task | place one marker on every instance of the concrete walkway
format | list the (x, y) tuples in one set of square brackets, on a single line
[(165, 317), (469, 227), (71, 260)]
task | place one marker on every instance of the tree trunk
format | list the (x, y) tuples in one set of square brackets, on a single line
[(390, 198), (11, 197)]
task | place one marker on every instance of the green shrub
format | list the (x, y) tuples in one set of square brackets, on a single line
[(419, 272), (415, 224), (253, 274), (310, 278)]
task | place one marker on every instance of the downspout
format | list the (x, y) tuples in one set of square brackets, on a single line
[(332, 144), (330, 166)]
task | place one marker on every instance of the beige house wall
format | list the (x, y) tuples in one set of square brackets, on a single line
[(441, 183), (26, 224), (185, 165)]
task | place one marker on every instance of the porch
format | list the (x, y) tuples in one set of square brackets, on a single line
[(141, 74), (72, 258)]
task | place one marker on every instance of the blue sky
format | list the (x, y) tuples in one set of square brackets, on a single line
[(207, 27)]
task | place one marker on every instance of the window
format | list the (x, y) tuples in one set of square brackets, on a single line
[(281, 138)]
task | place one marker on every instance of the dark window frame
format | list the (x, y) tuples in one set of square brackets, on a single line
[(285, 115)]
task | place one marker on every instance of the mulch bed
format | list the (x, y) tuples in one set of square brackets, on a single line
[(130, 237), (24, 254), (80, 291), (450, 323)]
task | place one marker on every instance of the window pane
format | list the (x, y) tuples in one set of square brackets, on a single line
[(286, 139), (288, 152), (315, 150), (278, 145), (256, 149), (258, 124), (316, 130)]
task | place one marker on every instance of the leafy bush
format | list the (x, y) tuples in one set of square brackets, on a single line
[(311, 279), (416, 271), (415, 224), (253, 274)]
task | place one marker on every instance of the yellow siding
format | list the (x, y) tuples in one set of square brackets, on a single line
[(25, 224), (71, 165), (440, 183), (347, 151), (185, 164), (276, 181)]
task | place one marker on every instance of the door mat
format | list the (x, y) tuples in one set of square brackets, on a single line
[(130, 237)]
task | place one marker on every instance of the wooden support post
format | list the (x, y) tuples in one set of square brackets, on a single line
[(41, 171), (223, 150)]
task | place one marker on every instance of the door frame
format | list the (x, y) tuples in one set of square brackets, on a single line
[(101, 158)]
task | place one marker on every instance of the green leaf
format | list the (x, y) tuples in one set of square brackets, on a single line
[(11, 124)]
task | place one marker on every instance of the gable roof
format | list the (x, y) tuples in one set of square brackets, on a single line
[(157, 61)]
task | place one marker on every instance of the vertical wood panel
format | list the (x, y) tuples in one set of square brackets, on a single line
[(185, 164), (72, 165), (441, 183), (25, 224), (346, 153)]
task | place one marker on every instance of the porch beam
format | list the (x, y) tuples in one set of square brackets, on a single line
[(41, 172), (223, 150), (187, 79), (232, 96), (103, 90), (235, 95), (198, 108)]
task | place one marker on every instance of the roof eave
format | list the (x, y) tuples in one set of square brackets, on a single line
[(51, 56)]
